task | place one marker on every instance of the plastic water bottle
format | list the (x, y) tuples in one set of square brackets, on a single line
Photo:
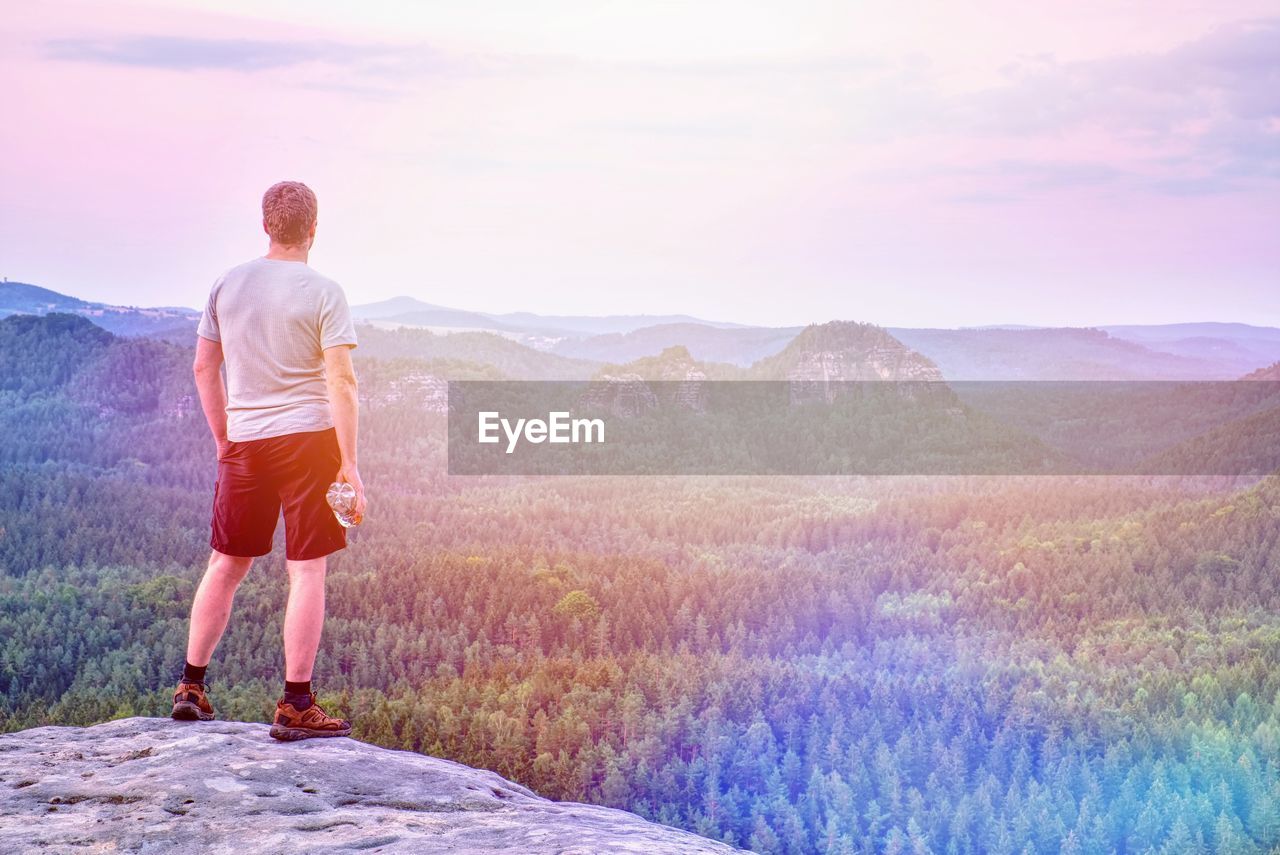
[(342, 499)]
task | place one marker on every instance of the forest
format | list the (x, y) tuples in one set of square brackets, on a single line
[(958, 664)]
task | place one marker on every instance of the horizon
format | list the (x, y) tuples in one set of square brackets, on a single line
[(991, 162), (1008, 325)]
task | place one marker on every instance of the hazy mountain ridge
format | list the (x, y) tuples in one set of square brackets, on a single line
[(1191, 351), (1052, 354), (511, 359), (575, 346), (835, 351), (737, 346), (410, 311), (172, 323), (1236, 347)]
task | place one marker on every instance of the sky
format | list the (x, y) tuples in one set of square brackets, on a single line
[(902, 163)]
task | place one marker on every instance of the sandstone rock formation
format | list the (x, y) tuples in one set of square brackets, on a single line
[(1270, 373), (623, 395), (826, 361), (155, 785), (844, 351), (672, 379)]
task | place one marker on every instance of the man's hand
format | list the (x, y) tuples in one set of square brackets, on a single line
[(351, 475), (344, 403), (224, 446)]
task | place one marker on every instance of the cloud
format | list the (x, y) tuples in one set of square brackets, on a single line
[(377, 72), (387, 65), (187, 54), (1200, 119), (1234, 71), (1042, 174)]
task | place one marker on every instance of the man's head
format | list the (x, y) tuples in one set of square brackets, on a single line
[(289, 213)]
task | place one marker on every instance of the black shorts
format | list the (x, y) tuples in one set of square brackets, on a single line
[(259, 477)]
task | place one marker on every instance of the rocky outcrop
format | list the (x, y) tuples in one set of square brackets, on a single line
[(673, 379), (623, 395), (1270, 373), (844, 351), (155, 785), (425, 391), (826, 361)]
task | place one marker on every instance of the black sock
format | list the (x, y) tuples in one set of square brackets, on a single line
[(298, 694), (193, 673)]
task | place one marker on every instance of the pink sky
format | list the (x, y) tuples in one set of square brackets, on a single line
[(899, 163)]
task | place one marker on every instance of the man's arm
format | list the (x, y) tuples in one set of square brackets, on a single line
[(213, 395), (344, 402)]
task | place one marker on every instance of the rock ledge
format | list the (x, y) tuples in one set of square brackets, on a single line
[(155, 785)]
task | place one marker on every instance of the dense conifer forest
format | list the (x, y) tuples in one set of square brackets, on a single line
[(794, 665)]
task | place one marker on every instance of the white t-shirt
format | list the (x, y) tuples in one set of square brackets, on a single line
[(275, 318)]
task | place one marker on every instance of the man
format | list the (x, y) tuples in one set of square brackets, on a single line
[(285, 428)]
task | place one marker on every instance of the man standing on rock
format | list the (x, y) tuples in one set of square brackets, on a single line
[(285, 427)]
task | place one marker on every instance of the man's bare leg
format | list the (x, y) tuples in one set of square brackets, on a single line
[(298, 716), (212, 605), (303, 618)]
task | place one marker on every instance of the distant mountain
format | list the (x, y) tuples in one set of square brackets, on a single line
[(539, 330), (1206, 329), (735, 345), (1193, 351), (447, 319), (1053, 354), (512, 359), (409, 312), (1004, 352), (391, 308), (604, 324), (1235, 348), (19, 298), (846, 351), (168, 323)]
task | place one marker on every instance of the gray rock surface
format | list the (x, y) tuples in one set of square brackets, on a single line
[(155, 785)]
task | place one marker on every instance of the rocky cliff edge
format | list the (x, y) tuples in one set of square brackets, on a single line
[(155, 785)]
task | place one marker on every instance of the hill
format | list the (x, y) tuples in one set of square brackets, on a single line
[(546, 329), (1197, 351), (1235, 347), (511, 359), (1052, 354), (737, 346), (845, 351), (21, 298), (157, 785), (674, 363), (169, 323), (1271, 372), (987, 353)]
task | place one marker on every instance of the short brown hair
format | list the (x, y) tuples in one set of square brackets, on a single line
[(288, 212)]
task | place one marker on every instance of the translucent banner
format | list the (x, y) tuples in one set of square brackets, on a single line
[(631, 426)]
